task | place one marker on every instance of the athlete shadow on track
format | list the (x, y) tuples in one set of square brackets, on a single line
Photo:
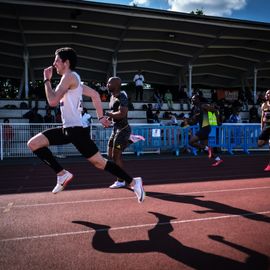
[(161, 241), (213, 206)]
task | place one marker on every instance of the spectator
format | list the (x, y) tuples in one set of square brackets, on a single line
[(49, 118), (261, 98), (168, 97), (104, 93), (139, 81), (149, 114), (86, 120), (235, 117), (185, 123), (34, 117), (253, 115), (172, 120), (158, 99), (156, 117)]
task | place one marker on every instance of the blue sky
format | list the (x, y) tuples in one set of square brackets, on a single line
[(253, 10)]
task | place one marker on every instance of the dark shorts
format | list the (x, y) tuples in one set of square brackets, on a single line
[(119, 138), (203, 133), (75, 135), (265, 134)]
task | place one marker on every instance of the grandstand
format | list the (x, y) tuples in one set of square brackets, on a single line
[(13, 110)]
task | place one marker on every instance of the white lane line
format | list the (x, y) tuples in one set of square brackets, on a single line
[(159, 195), (169, 180), (129, 227)]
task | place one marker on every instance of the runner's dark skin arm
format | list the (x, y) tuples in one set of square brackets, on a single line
[(120, 114)]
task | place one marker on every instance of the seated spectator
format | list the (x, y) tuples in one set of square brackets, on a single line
[(173, 121), (149, 114), (156, 116), (48, 118), (34, 117), (168, 97), (86, 120), (235, 117), (185, 122), (253, 115)]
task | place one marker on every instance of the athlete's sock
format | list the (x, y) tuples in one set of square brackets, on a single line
[(217, 158), (206, 148), (117, 171), (47, 157)]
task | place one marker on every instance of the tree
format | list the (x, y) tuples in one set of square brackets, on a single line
[(197, 12)]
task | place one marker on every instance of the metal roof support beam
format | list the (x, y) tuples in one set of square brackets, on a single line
[(255, 85), (21, 87), (26, 77), (189, 80), (114, 66)]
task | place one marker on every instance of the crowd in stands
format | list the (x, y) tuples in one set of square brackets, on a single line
[(229, 111), (160, 108)]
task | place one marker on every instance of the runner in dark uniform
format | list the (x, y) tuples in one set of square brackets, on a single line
[(199, 114), (265, 124), (120, 137)]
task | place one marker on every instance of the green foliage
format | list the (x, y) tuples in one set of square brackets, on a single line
[(197, 12), (9, 88)]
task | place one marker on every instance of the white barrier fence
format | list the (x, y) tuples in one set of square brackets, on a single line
[(14, 137), (232, 137)]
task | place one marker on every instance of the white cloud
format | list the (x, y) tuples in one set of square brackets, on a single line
[(145, 3), (209, 7)]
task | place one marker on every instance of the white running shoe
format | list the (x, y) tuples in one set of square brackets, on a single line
[(118, 184), (62, 182), (136, 138), (138, 189)]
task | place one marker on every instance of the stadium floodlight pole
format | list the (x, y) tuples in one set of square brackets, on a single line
[(190, 80), (255, 85)]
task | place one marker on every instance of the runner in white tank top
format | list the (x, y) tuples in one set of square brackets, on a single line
[(69, 94), (71, 106)]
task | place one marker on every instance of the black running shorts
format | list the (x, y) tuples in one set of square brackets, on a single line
[(119, 138), (75, 135), (265, 134), (203, 133)]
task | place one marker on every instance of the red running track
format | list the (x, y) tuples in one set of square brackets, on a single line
[(194, 216)]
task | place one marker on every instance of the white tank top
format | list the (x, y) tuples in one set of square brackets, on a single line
[(71, 106)]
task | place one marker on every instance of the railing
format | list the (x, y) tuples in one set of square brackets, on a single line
[(228, 137)]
